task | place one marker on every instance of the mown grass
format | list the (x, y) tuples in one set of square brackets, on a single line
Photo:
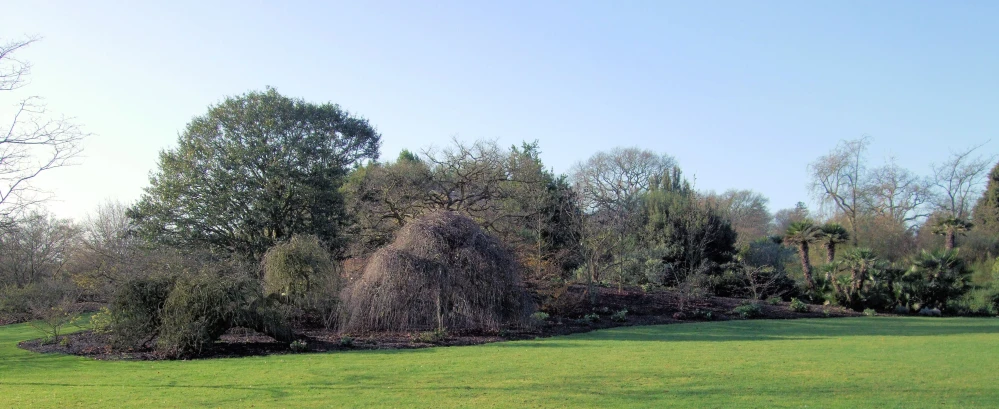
[(817, 363)]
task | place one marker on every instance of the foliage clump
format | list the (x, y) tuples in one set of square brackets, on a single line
[(442, 271), (202, 307), (301, 274)]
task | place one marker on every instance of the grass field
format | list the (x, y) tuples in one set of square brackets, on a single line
[(817, 363)]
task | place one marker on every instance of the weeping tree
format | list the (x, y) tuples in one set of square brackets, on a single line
[(441, 272)]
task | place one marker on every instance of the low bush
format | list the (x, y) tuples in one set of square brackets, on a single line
[(929, 312), (201, 308), (749, 310), (901, 310), (346, 342), (591, 318), (798, 305), (298, 346), (620, 316), (977, 302), (870, 312), (431, 337), (774, 300), (539, 318)]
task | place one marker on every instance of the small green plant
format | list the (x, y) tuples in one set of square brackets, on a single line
[(346, 342), (775, 300), (901, 310), (620, 316), (826, 313), (64, 342), (539, 317), (870, 312), (749, 310), (298, 346), (431, 337), (798, 305), (591, 318), (700, 314), (101, 321)]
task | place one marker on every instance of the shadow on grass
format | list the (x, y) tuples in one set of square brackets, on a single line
[(771, 330)]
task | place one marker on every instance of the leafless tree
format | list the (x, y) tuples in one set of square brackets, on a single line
[(35, 248), (615, 180), (33, 142), (897, 194), (838, 179), (959, 181), (746, 209)]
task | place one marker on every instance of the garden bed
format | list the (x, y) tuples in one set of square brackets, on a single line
[(642, 309)]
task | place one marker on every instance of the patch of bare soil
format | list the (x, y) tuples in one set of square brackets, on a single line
[(642, 309)]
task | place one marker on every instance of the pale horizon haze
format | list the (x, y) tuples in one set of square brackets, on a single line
[(743, 94)]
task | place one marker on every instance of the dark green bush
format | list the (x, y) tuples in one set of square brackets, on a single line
[(201, 308), (134, 313), (798, 306), (749, 310), (620, 316)]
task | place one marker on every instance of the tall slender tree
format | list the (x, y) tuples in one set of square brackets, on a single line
[(833, 234), (802, 234)]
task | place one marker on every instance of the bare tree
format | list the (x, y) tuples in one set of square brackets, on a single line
[(33, 142), (746, 209), (897, 194), (35, 248), (959, 181), (838, 179), (615, 180)]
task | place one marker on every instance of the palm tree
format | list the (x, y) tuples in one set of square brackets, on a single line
[(833, 234), (936, 277), (949, 227), (803, 233), (860, 261)]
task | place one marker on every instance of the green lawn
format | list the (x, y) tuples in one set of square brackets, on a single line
[(816, 363)]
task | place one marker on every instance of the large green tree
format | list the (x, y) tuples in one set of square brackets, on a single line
[(986, 211), (254, 170)]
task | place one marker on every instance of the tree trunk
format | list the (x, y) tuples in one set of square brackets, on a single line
[(806, 264), (830, 252), (949, 240)]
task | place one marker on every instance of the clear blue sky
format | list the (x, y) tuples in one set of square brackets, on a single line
[(743, 93)]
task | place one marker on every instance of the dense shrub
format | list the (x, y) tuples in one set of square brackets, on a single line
[(301, 274), (798, 306), (134, 313), (201, 308), (748, 310), (980, 301), (935, 278), (442, 271)]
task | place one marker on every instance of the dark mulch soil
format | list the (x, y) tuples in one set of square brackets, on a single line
[(643, 309)]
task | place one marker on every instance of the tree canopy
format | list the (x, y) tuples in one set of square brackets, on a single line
[(257, 168)]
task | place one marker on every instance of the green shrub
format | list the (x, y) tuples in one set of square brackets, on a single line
[(870, 312), (700, 314), (298, 346), (748, 310), (431, 337), (826, 313), (620, 316), (798, 305), (592, 317), (302, 274), (901, 310), (134, 314), (979, 302), (201, 308), (774, 300), (346, 342)]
